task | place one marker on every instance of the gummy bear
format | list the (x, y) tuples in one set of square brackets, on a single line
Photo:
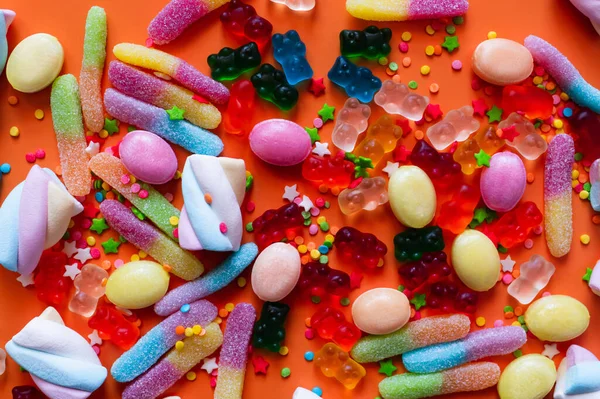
[(351, 121), (112, 325), (26, 392), (530, 100), (396, 98), (276, 224), (334, 362), (381, 138), (449, 296), (586, 124), (230, 64), (290, 52), (370, 193), (297, 5), (89, 286), (269, 331), (358, 81), (456, 214), (457, 125), (514, 226), (242, 21), (361, 249), (240, 109), (329, 171), (51, 285), (271, 85), (529, 143), (331, 324), (486, 140), (431, 266), (371, 43), (535, 275), (441, 168), (321, 280), (410, 245)]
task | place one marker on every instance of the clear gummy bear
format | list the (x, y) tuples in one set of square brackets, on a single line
[(457, 125), (529, 142), (368, 195), (397, 98), (351, 121), (90, 288), (297, 5), (535, 275)]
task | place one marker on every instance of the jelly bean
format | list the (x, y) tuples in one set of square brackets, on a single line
[(148, 157), (527, 377), (381, 311), (280, 142), (557, 318), (502, 62), (475, 260), (276, 272), (150, 280), (412, 196), (503, 183)]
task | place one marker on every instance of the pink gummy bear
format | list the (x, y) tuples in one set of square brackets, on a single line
[(529, 143), (457, 125), (535, 275), (396, 98), (591, 9), (90, 287), (368, 195), (351, 121), (297, 5)]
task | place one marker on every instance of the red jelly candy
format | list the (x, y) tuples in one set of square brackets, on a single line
[(514, 226), (456, 214), (331, 324), (238, 118), (332, 171), (276, 224), (51, 286), (113, 325), (242, 21), (530, 100), (358, 248), (441, 168), (320, 280)]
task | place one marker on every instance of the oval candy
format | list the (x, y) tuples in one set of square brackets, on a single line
[(475, 260), (412, 196), (276, 272), (148, 157), (280, 142), (502, 62), (137, 285), (503, 183), (381, 311), (527, 377), (557, 318)]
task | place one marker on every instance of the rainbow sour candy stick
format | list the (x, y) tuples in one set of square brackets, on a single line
[(172, 20), (176, 68), (68, 125), (471, 377), (150, 240), (558, 209), (234, 354), (155, 206), (402, 10), (155, 91), (159, 340), (210, 283), (92, 68), (174, 366), (566, 75), (156, 120), (477, 345), (416, 334)]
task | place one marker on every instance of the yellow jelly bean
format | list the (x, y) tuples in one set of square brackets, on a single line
[(557, 318), (475, 260), (527, 377), (412, 196), (137, 285)]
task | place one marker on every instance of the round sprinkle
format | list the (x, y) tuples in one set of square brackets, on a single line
[(508, 308), (393, 66), (585, 239), (457, 65), (185, 308), (406, 36), (584, 194), (498, 323), (403, 47), (30, 157), (413, 84), (425, 70), (437, 50), (40, 154), (39, 114), (309, 356), (284, 350), (406, 62), (143, 194), (317, 391), (345, 301), (189, 332), (12, 100), (480, 321), (419, 134), (434, 88), (318, 123), (558, 124), (286, 372), (179, 345), (229, 307), (90, 241), (383, 61), (174, 220), (578, 156), (528, 243), (223, 313), (568, 112), (191, 376), (530, 177), (450, 29), (14, 131), (507, 278), (458, 20), (574, 174), (179, 330), (223, 228), (429, 29), (241, 282), (492, 35), (429, 50), (197, 329), (103, 134)]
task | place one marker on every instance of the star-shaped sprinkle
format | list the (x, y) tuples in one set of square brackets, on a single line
[(260, 365), (25, 279), (479, 107), (111, 126), (111, 246), (400, 154), (90, 211), (95, 338), (175, 113), (405, 125), (317, 87), (355, 280), (321, 149), (451, 43), (494, 114), (313, 133), (72, 271), (70, 248), (419, 301), (306, 203), (507, 264), (483, 159), (550, 351), (83, 255), (588, 275), (433, 111), (92, 149), (480, 214), (509, 133), (290, 192), (209, 364), (326, 113), (391, 167), (99, 225), (361, 165), (387, 367)]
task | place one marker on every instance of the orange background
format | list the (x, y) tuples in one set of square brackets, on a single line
[(554, 20)]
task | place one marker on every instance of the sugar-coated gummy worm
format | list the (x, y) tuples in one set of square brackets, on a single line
[(174, 366), (155, 206), (68, 125), (156, 120), (467, 378), (402, 10), (566, 75), (159, 340), (416, 334), (148, 88), (92, 68), (149, 239), (558, 208), (177, 15), (210, 283), (176, 68), (234, 353)]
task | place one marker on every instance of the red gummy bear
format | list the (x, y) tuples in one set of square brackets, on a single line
[(331, 324), (514, 226), (431, 266), (242, 21), (358, 248), (320, 280), (240, 109), (276, 224), (51, 286), (447, 296), (441, 168), (112, 324), (26, 392), (530, 100), (331, 171), (456, 214)]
